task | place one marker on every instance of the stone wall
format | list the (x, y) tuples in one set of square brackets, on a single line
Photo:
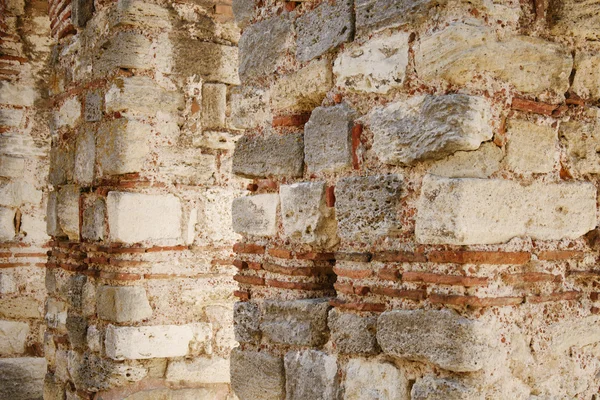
[(423, 216)]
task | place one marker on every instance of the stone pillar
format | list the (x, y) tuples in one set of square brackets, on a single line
[(139, 278), (440, 158)]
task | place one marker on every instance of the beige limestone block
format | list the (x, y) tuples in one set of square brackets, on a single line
[(214, 104), (123, 303), (485, 211), (434, 388), (122, 147), (372, 379), (17, 95), (480, 163), (7, 282), (140, 14), (7, 223), (142, 95), (214, 224), (586, 83), (68, 210), (68, 114), (531, 147), (11, 117), (249, 107), (143, 342), (213, 393), (11, 167), (13, 335), (582, 140), (575, 18), (56, 314), (257, 375), (22, 378), (22, 307), (304, 89), (255, 215), (201, 370)]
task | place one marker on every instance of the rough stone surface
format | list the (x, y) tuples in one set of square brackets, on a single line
[(11, 117), (353, 333), (7, 223), (324, 28), (243, 11), (199, 371), (17, 95), (135, 217), (22, 378), (531, 147), (212, 61), (214, 104), (380, 14), (81, 12), (311, 374), (484, 211), (93, 106), (460, 52), (373, 380), (432, 388), (582, 140), (13, 335), (586, 83), (246, 322), (305, 215), (366, 207), (216, 393), (12, 167), (302, 90), (575, 18), (442, 338), (429, 127), (377, 66), (68, 210), (85, 155), (249, 107), (257, 375), (255, 215), (480, 163), (123, 303), (94, 217), (295, 322), (122, 146), (328, 138), (134, 343), (274, 155), (141, 94), (88, 370)]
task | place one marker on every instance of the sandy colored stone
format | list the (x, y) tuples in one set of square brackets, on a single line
[(124, 50), (311, 374), (216, 393), (203, 370), (530, 147), (575, 18), (255, 215), (13, 335), (123, 303), (480, 163), (68, 114), (302, 90), (17, 95), (94, 217), (68, 210), (7, 223), (249, 107), (257, 375), (136, 13), (144, 342), (379, 14), (273, 155), (212, 61), (214, 223), (11, 117), (141, 94), (434, 388), (85, 155), (22, 378), (582, 140), (214, 104), (246, 322), (123, 146), (353, 333), (373, 380), (586, 83)]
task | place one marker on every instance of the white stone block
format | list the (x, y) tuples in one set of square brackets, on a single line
[(7, 223), (142, 95), (68, 210), (135, 343), (123, 303), (304, 89), (199, 370), (371, 379), (68, 114), (531, 147), (255, 215), (13, 336)]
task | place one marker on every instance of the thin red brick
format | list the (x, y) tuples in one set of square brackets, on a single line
[(353, 273), (374, 307), (388, 274), (345, 288), (255, 266), (354, 257), (559, 255), (7, 254), (440, 279), (296, 271), (297, 285), (248, 248), (399, 256), (280, 253), (120, 276), (533, 106), (239, 264), (166, 248), (249, 280), (29, 255), (291, 120), (242, 295), (474, 301), (316, 256), (401, 293), (556, 296), (479, 257)]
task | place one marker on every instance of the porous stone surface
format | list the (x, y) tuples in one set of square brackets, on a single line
[(68, 210), (582, 139), (366, 206), (457, 211), (257, 375), (214, 104), (324, 28), (575, 18), (85, 156), (246, 322), (295, 322), (531, 147), (586, 83), (303, 90), (7, 223), (255, 215), (142, 95), (429, 127), (353, 333), (205, 370), (122, 146), (22, 378), (13, 335), (249, 107), (380, 14), (93, 106), (328, 138), (442, 338), (214, 62), (134, 343), (123, 304), (273, 155), (372, 379), (377, 66), (480, 163), (311, 374), (243, 11), (433, 388), (11, 117)]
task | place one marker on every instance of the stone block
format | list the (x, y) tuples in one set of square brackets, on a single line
[(140, 94), (85, 156), (11, 117), (7, 223), (377, 66), (202, 370), (94, 216), (353, 333), (212, 393), (11, 167), (324, 28), (143, 342), (77, 331), (305, 215), (243, 11), (123, 303), (68, 113), (213, 62), (122, 146), (249, 107), (53, 388), (442, 338), (13, 335), (187, 166), (302, 90), (311, 374), (140, 14), (67, 210), (328, 138), (246, 322), (429, 127), (531, 147), (257, 375), (273, 155), (62, 162), (214, 224), (214, 104), (136, 217), (217, 140), (433, 388), (461, 52), (263, 47), (56, 314), (7, 283), (124, 50), (586, 83), (17, 94), (91, 372), (52, 225), (485, 211), (81, 12), (480, 163), (295, 322), (575, 18), (367, 207), (582, 139), (380, 14), (22, 378), (255, 215), (371, 379), (94, 104)]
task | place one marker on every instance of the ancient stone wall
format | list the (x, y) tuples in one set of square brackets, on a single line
[(423, 217)]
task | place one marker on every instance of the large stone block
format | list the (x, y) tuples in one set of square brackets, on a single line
[(94, 104), (263, 46), (582, 140), (143, 342), (460, 52), (249, 107), (212, 393), (324, 28), (380, 14), (68, 113), (531, 147), (246, 322), (575, 18), (11, 117), (328, 138), (81, 12), (136, 217), (89, 371), (429, 127), (257, 375), (434, 388), (124, 50), (480, 163), (12, 167), (353, 333), (123, 303), (85, 156), (305, 215), (215, 216), (586, 82), (442, 338), (17, 95), (485, 211), (68, 210), (214, 104), (377, 66), (202, 370), (213, 62), (22, 378), (94, 220), (13, 335), (366, 207), (302, 90), (7, 223), (140, 14), (243, 11), (122, 146), (371, 379), (311, 374), (141, 94), (274, 155), (255, 215), (295, 322)]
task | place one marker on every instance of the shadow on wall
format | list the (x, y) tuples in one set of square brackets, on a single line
[(22, 378)]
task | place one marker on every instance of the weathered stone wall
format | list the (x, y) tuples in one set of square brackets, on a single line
[(423, 222)]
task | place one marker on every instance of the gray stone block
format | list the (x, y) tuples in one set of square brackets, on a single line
[(77, 331), (328, 138), (274, 155), (22, 378), (366, 207), (255, 215), (380, 14), (434, 388), (81, 12), (246, 322), (257, 375), (353, 333), (243, 11), (324, 28), (442, 338), (311, 374), (295, 322)]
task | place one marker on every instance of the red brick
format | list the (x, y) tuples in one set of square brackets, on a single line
[(242, 295), (531, 277), (353, 273), (345, 288), (401, 293), (297, 285), (280, 253), (167, 248), (330, 196), (584, 274), (558, 255), (362, 290), (414, 276), (119, 276), (533, 106), (474, 301), (29, 255), (594, 296), (248, 248), (479, 257), (255, 266), (556, 296), (296, 271), (7, 254), (291, 120), (399, 256), (316, 256), (374, 307), (388, 274), (267, 184), (249, 280), (354, 257), (239, 264)]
